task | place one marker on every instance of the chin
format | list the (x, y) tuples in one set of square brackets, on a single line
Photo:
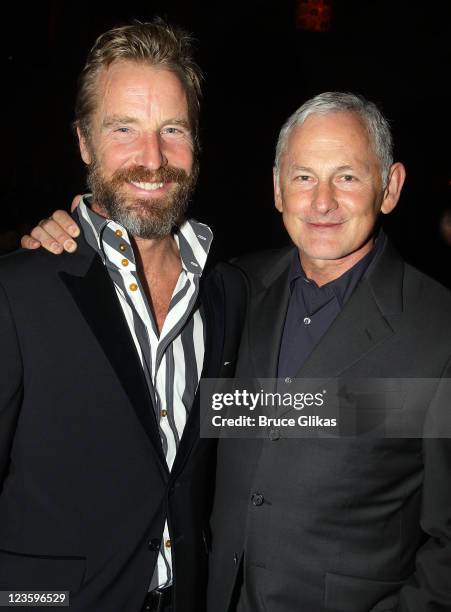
[(323, 255), (320, 251)]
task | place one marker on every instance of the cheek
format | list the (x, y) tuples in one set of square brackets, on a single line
[(294, 201), (359, 205), (111, 157), (180, 155)]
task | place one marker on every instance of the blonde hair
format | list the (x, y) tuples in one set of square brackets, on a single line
[(155, 43)]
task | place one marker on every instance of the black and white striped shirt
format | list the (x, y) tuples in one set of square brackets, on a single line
[(172, 360)]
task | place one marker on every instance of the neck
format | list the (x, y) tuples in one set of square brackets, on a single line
[(156, 255), (159, 265), (324, 271)]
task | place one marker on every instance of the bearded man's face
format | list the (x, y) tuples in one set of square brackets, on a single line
[(140, 154)]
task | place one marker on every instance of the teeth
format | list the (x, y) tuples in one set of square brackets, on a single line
[(147, 186)]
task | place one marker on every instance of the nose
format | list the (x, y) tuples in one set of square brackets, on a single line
[(149, 152), (324, 199)]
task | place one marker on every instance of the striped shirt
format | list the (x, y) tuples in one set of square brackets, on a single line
[(172, 360)]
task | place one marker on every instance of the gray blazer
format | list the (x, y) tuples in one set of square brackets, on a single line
[(350, 524)]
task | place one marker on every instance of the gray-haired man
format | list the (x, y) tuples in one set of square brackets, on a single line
[(354, 524)]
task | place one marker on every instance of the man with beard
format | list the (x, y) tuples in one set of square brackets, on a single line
[(103, 480)]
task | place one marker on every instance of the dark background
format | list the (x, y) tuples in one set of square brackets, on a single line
[(259, 68)]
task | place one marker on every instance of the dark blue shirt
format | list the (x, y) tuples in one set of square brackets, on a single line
[(312, 309)]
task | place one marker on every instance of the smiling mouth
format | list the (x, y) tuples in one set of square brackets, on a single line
[(147, 186), (324, 225)]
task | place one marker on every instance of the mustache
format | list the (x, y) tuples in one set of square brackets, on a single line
[(139, 174)]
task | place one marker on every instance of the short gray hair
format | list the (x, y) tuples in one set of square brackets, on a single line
[(338, 102)]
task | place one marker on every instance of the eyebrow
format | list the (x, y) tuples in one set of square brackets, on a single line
[(345, 167), (113, 120), (339, 169), (301, 168), (181, 122)]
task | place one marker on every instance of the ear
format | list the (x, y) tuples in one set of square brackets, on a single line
[(396, 178), (277, 193), (84, 148)]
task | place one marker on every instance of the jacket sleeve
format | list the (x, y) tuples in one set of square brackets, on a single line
[(10, 382), (429, 589)]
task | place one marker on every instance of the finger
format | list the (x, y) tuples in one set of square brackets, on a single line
[(50, 236), (67, 223), (58, 234), (75, 203), (27, 242)]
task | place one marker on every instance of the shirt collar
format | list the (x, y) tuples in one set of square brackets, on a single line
[(192, 238)]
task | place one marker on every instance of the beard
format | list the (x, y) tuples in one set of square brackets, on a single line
[(149, 218)]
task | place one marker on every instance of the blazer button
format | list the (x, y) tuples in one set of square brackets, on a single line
[(235, 558), (257, 499), (154, 544)]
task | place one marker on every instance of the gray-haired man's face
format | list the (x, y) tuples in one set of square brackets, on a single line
[(329, 189)]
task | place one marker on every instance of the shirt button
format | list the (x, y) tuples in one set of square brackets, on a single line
[(133, 287), (257, 499), (288, 380), (124, 262), (164, 413), (118, 233), (168, 544), (274, 435), (307, 321), (122, 247)]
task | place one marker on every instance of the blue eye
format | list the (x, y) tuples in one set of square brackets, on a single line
[(172, 130)]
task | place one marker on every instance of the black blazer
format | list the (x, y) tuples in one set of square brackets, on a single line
[(351, 524), (84, 485)]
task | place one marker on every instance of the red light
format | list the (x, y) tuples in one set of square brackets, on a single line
[(314, 15)]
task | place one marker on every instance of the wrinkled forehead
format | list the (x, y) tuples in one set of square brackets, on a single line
[(135, 86), (122, 75), (334, 136), (347, 128)]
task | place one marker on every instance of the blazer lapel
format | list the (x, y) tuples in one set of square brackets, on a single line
[(367, 319), (358, 329), (97, 300), (267, 313)]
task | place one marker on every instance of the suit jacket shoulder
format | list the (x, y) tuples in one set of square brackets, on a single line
[(32, 266), (403, 292), (428, 287), (264, 266)]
